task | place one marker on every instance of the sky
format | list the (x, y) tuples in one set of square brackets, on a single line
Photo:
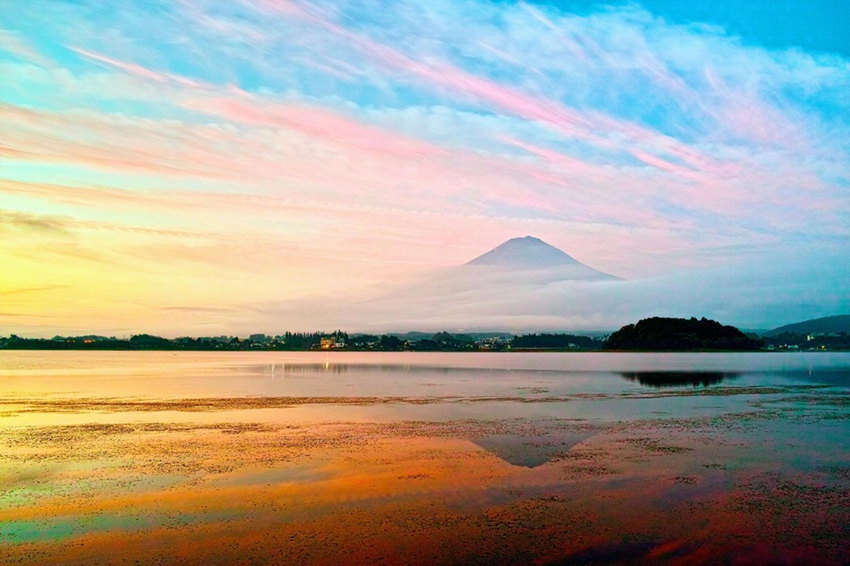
[(223, 167)]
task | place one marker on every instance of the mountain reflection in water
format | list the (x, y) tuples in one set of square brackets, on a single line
[(529, 451), (678, 378)]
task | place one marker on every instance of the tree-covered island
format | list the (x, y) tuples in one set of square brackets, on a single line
[(680, 334)]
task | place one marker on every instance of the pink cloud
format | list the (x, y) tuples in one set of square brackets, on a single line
[(657, 162), (106, 140), (749, 117), (555, 157), (571, 123), (138, 70), (313, 122)]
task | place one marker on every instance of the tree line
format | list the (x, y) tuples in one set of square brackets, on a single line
[(305, 341), (651, 334)]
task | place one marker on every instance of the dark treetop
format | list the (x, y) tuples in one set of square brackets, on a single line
[(680, 334)]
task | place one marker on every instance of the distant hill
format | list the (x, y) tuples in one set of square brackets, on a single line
[(680, 334), (827, 324)]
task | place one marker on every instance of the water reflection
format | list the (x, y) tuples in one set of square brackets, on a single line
[(529, 451), (678, 378), (341, 368)]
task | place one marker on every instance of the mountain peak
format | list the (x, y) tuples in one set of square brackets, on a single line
[(528, 253), (535, 256)]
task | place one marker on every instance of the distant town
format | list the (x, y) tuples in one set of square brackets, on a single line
[(649, 334), (298, 341)]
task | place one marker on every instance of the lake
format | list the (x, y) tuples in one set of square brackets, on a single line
[(424, 458)]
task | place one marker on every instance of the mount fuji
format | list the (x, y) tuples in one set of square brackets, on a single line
[(522, 283), (532, 254)]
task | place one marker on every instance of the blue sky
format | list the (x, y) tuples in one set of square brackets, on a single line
[(816, 25)]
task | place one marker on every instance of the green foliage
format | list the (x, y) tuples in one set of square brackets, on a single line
[(555, 342), (390, 343), (301, 340), (148, 342)]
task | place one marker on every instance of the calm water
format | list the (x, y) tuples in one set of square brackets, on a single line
[(328, 458)]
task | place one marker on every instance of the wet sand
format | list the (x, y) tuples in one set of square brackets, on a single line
[(728, 470)]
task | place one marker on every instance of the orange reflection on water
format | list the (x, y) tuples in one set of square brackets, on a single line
[(356, 494), (372, 466)]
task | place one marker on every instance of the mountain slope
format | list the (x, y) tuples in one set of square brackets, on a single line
[(524, 283), (827, 324), (532, 254), (527, 252)]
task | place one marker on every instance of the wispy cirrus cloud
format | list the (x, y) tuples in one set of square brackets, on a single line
[(17, 45)]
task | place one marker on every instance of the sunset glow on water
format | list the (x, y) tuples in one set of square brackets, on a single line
[(421, 459)]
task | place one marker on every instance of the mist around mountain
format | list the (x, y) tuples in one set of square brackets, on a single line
[(525, 285), (521, 284), (824, 325), (519, 264)]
